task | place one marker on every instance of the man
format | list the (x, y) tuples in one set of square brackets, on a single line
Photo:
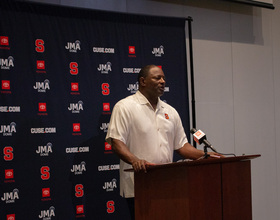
[(144, 130)]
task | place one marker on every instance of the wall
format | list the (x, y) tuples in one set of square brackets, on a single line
[(237, 73)]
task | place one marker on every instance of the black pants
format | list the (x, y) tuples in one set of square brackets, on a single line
[(130, 203)]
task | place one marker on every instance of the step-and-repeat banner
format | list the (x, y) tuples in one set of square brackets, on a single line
[(61, 72)]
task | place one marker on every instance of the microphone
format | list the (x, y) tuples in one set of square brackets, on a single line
[(199, 137)]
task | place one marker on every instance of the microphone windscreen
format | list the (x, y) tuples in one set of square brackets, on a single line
[(193, 130)]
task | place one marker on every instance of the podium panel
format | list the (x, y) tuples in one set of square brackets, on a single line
[(207, 189), (237, 190)]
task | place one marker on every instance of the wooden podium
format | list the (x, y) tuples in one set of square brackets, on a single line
[(208, 189)]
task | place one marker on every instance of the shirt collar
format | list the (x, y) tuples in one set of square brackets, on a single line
[(144, 101)]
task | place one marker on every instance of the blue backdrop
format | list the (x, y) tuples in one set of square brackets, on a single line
[(62, 71)]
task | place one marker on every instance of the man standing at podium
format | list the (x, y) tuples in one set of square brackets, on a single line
[(144, 130)]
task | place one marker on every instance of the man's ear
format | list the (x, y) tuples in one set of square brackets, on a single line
[(142, 81)]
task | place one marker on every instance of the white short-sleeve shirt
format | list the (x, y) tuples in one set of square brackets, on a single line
[(149, 134)]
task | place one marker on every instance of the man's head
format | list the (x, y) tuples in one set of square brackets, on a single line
[(151, 81)]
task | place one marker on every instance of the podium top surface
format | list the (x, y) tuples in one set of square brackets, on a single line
[(201, 162)]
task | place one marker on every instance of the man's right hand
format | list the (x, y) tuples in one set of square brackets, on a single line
[(140, 165), (122, 150)]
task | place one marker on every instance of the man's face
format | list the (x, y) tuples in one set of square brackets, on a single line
[(155, 82)]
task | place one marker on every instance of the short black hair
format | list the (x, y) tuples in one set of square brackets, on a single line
[(145, 71)]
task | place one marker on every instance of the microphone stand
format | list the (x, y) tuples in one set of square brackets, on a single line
[(206, 155)]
